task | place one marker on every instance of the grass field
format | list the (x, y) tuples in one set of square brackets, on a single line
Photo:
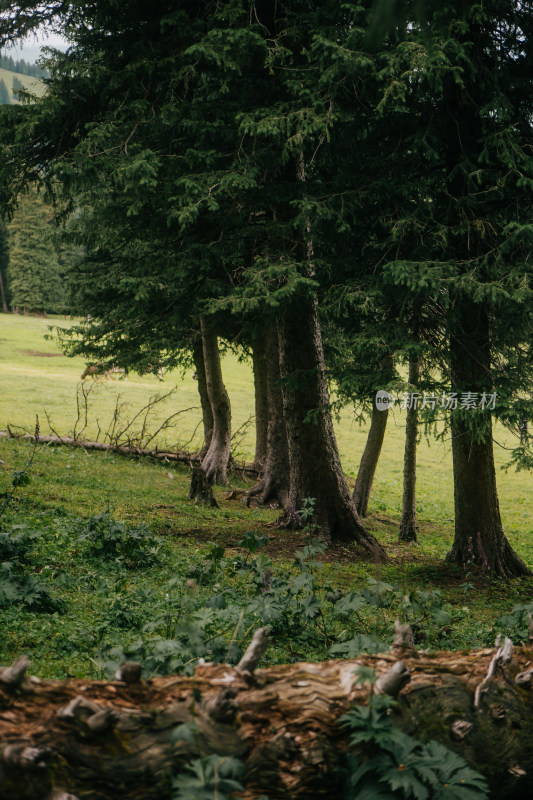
[(111, 604)]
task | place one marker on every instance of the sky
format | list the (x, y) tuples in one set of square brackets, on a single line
[(30, 48)]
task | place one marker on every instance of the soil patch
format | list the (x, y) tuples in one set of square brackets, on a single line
[(42, 355)]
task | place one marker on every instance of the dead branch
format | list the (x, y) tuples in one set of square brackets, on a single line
[(125, 450)]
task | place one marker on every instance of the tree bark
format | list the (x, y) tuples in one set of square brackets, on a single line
[(315, 468), (4, 263), (369, 460), (479, 537), (5, 309), (207, 413), (200, 489), (372, 451), (216, 459), (110, 740), (261, 400), (273, 488), (408, 521)]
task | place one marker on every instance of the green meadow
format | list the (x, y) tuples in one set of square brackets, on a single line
[(69, 607)]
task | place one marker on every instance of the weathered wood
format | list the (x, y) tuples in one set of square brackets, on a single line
[(200, 490), (14, 675), (99, 740), (254, 652), (247, 470)]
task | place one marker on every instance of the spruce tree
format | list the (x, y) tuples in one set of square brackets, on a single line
[(269, 158), (213, 178), (34, 274), (461, 237), (5, 98), (17, 86)]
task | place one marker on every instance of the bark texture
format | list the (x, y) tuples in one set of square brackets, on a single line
[(374, 443), (207, 413), (216, 459), (110, 740), (479, 537), (369, 460), (5, 309), (315, 468), (273, 487), (261, 400), (408, 521), (200, 489)]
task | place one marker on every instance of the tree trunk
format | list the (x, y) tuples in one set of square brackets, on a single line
[(207, 413), (479, 537), (261, 400), (369, 460), (5, 309), (315, 468), (273, 487), (216, 459), (103, 740), (408, 521)]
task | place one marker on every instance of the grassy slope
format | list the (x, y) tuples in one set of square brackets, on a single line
[(67, 484), (33, 85)]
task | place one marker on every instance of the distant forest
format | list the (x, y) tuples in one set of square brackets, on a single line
[(21, 66)]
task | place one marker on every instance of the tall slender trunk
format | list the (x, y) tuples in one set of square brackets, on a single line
[(4, 263), (261, 400), (216, 459), (315, 468), (207, 413), (3, 294), (274, 484), (408, 521), (372, 451), (369, 460), (479, 537)]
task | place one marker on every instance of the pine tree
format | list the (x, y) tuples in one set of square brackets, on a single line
[(34, 275), (17, 86), (214, 182), (5, 99), (223, 163), (462, 235)]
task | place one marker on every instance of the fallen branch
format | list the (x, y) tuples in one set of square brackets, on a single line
[(246, 470)]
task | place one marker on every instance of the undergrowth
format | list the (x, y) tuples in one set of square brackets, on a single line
[(388, 764), (196, 582), (81, 593)]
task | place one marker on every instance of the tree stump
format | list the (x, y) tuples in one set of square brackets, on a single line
[(200, 489)]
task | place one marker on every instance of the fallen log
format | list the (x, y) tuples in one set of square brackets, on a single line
[(246, 470), (99, 740)]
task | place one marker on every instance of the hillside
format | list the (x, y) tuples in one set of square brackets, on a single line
[(32, 84)]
